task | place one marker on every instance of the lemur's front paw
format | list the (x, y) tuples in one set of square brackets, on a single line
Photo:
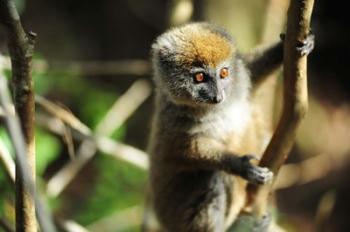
[(258, 175), (255, 174), (307, 45), (304, 47)]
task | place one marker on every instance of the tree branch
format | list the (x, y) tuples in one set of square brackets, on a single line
[(20, 45), (17, 138), (295, 98)]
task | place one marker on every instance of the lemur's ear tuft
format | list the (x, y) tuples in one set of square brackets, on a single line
[(164, 45)]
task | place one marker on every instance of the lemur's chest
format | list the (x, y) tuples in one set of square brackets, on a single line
[(225, 124)]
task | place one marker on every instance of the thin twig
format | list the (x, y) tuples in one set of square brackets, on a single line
[(65, 175), (136, 67), (104, 144), (2, 113), (119, 221), (5, 226), (14, 129), (118, 113), (61, 113), (123, 151), (124, 107), (68, 139), (71, 226), (295, 97), (7, 162), (309, 170)]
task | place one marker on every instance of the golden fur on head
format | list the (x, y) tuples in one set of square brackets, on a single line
[(206, 47), (197, 43)]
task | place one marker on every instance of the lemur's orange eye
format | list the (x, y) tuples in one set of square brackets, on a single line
[(199, 77), (224, 73)]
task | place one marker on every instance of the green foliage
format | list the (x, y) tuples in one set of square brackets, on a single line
[(117, 186), (5, 139), (92, 103), (6, 197), (47, 150), (95, 106), (6, 186), (43, 84), (7, 73), (20, 4)]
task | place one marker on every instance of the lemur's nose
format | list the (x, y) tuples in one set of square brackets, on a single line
[(218, 98)]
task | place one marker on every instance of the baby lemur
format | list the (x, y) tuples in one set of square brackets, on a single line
[(203, 127)]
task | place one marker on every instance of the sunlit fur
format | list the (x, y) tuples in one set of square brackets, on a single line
[(181, 52), (190, 128)]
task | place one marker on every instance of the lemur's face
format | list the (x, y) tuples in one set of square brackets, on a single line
[(203, 84), (195, 65)]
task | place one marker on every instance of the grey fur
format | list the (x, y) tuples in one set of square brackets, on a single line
[(194, 170)]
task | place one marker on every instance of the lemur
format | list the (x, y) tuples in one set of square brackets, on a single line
[(204, 127)]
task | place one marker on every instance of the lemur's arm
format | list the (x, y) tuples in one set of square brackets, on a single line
[(205, 153), (264, 61)]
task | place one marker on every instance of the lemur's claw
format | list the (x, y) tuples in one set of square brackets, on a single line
[(304, 47), (307, 45), (255, 174), (259, 175)]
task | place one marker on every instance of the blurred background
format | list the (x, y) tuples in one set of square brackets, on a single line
[(94, 104)]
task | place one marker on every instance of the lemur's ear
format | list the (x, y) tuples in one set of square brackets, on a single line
[(164, 45)]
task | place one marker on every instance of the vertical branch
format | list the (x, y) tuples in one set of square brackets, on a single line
[(20, 46), (19, 145), (295, 96)]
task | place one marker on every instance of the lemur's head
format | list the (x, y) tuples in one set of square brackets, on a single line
[(197, 65)]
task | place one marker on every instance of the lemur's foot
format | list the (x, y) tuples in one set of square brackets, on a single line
[(263, 224), (255, 174), (307, 45), (248, 222)]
